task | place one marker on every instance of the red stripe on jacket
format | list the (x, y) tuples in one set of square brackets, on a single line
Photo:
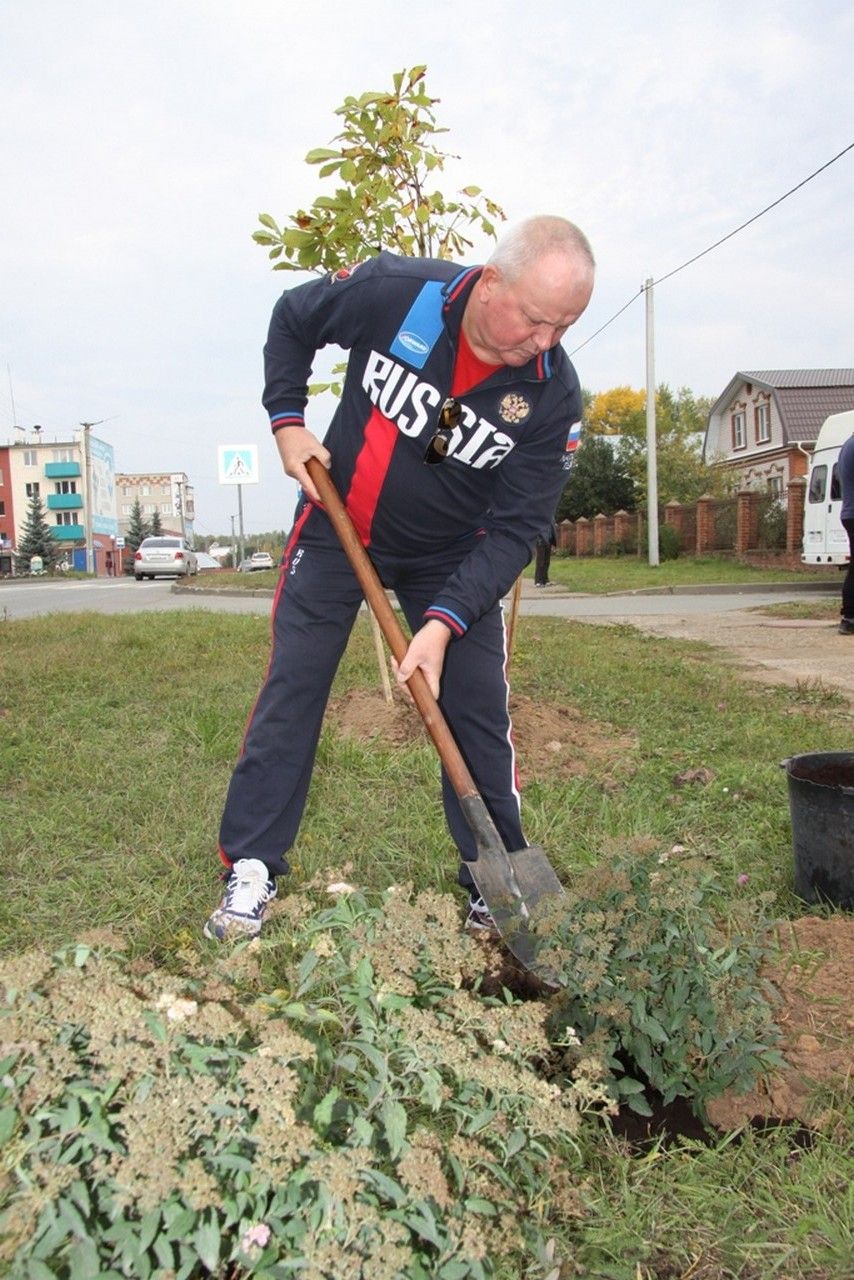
[(370, 472)]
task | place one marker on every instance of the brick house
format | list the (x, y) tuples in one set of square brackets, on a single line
[(764, 426)]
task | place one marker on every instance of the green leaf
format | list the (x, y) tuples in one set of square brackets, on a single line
[(394, 1120), (323, 1111), (83, 1261), (38, 1270), (267, 221), (206, 1241), (475, 1204), (148, 1229), (319, 154), (8, 1124)]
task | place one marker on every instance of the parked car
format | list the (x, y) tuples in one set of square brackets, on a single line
[(258, 560), (165, 556)]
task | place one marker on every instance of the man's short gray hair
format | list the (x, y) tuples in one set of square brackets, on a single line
[(529, 240)]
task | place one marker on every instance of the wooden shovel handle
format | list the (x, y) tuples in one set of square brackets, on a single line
[(436, 724)]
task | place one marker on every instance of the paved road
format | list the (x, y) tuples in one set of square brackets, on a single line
[(28, 599)]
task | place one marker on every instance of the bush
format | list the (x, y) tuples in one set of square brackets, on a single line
[(369, 1118), (773, 519), (657, 982), (669, 542)]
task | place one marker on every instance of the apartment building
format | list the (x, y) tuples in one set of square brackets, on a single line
[(169, 494), (75, 480)]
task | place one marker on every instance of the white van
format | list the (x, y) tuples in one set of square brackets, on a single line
[(825, 540)]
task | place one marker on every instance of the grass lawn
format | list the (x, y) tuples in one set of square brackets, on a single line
[(819, 607), (119, 734), (598, 574)]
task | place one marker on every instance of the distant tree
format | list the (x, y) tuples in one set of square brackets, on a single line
[(680, 425), (616, 412), (36, 537), (597, 482), (137, 528), (155, 525)]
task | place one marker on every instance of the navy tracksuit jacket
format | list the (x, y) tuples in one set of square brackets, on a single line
[(450, 539)]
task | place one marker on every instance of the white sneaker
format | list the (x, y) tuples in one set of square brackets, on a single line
[(247, 891), (479, 918)]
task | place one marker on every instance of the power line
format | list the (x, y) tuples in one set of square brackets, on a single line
[(728, 236)]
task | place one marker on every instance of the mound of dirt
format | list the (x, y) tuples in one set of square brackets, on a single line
[(813, 980), (551, 741)]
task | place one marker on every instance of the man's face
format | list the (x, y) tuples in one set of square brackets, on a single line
[(516, 320)]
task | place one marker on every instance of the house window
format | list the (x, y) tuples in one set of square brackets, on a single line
[(66, 517), (739, 430), (66, 486), (818, 484), (775, 486), (145, 490), (2, 508), (165, 509), (29, 457), (762, 422), (127, 509), (63, 455), (149, 508), (164, 488), (126, 491), (33, 489)]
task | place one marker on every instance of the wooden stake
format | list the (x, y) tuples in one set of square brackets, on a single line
[(381, 658), (514, 614)]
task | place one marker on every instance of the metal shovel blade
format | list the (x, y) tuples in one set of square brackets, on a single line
[(511, 885)]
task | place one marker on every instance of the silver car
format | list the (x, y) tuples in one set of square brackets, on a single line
[(164, 556)]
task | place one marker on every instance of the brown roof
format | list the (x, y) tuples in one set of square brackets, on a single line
[(801, 377), (804, 397), (803, 410)]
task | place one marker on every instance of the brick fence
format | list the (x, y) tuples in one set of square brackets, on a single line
[(707, 525)]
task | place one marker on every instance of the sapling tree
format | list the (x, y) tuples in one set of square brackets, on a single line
[(386, 162)]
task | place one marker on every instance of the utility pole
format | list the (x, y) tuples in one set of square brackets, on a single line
[(233, 546), (87, 510), (651, 452)]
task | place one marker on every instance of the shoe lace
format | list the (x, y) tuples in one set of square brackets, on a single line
[(247, 888)]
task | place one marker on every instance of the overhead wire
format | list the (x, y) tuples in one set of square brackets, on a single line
[(668, 275)]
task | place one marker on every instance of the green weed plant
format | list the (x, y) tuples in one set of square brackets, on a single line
[(373, 1116)]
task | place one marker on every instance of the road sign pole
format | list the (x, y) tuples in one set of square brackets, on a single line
[(240, 522)]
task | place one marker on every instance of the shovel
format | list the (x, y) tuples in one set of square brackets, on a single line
[(511, 884)]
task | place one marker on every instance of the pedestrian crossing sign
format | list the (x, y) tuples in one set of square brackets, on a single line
[(238, 464)]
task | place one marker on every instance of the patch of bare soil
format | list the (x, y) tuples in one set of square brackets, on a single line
[(813, 980), (551, 741)]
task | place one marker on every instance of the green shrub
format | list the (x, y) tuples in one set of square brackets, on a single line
[(669, 542), (772, 523), (371, 1117), (659, 981)]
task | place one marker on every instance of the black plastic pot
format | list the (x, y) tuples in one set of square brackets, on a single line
[(821, 803)]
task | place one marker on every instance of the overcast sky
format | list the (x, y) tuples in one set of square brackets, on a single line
[(140, 142)]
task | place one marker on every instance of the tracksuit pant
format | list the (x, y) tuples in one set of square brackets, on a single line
[(848, 581), (315, 607)]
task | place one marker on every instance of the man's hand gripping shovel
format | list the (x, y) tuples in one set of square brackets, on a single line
[(510, 883)]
